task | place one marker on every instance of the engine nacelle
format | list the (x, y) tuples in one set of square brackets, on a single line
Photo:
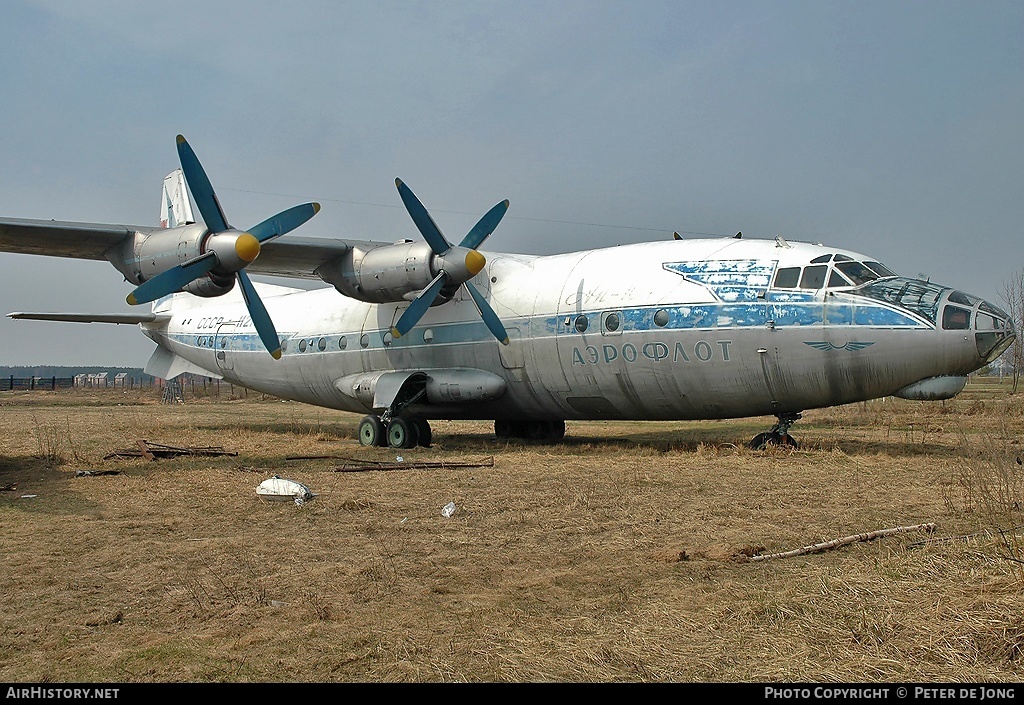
[(211, 285), (390, 273), (144, 256)]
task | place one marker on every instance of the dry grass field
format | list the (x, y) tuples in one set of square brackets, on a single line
[(627, 553)]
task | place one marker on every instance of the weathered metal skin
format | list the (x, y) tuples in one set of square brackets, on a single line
[(668, 330)]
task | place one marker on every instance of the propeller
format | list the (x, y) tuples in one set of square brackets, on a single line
[(227, 250), (455, 265)]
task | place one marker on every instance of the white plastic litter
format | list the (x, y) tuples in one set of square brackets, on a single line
[(449, 510), (277, 489)]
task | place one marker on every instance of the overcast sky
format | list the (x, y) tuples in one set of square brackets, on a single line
[(894, 129)]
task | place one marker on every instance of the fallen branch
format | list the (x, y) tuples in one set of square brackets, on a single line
[(358, 465), (870, 536)]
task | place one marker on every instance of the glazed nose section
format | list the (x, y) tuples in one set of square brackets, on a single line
[(993, 331)]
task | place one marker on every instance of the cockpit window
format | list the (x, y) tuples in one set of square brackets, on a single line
[(821, 258), (881, 269), (843, 258), (787, 278), (814, 277), (835, 279), (856, 272)]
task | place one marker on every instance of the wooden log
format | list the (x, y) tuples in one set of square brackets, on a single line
[(828, 545)]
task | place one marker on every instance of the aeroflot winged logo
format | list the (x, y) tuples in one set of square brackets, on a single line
[(851, 346)]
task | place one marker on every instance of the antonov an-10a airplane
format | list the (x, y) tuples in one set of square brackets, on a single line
[(424, 329)]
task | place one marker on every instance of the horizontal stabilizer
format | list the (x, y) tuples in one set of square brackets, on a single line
[(166, 365), (118, 318)]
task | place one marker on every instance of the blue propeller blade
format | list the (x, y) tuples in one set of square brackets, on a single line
[(419, 306), (488, 314), (201, 188), (284, 222), (427, 227), (172, 280), (485, 226), (259, 315)]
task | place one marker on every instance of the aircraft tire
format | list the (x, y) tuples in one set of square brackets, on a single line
[(402, 433), (423, 431), (772, 438), (556, 430), (504, 429), (371, 431)]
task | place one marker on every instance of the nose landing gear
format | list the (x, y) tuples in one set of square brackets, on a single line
[(779, 435)]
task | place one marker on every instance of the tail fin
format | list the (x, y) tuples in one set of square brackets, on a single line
[(175, 207)]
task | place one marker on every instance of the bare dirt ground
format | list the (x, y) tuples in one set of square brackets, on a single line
[(630, 552)]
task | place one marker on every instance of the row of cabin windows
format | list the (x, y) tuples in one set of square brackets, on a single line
[(322, 344)]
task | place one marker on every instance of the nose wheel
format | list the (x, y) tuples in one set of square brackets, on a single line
[(779, 434)]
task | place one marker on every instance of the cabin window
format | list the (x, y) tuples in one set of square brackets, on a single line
[(787, 278), (428, 335), (814, 277), (581, 323), (364, 341), (302, 345), (321, 344), (956, 318), (611, 322), (342, 343), (387, 338), (661, 318), (284, 345)]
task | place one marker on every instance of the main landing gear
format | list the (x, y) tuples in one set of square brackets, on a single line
[(779, 435), (394, 431), (530, 429)]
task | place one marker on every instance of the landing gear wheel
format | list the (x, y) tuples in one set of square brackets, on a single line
[(504, 429), (371, 431), (423, 430), (772, 438), (556, 430), (402, 433)]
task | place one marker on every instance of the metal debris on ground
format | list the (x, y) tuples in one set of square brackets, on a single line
[(359, 465), (90, 473), (152, 451)]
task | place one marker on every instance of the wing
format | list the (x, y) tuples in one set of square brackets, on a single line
[(64, 239), (294, 257), (117, 318)]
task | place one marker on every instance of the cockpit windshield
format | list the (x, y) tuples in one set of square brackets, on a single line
[(843, 272)]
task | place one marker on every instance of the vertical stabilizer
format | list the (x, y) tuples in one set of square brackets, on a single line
[(175, 208)]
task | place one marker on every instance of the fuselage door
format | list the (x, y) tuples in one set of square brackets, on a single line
[(222, 346)]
